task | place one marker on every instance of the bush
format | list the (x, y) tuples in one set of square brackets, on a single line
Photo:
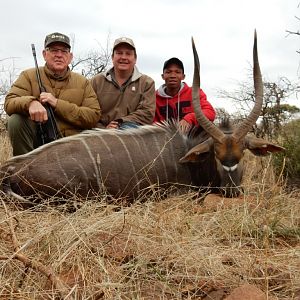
[(290, 140)]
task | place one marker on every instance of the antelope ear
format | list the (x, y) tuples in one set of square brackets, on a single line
[(261, 147), (194, 155)]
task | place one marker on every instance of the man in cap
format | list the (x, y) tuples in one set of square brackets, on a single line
[(70, 95), (174, 98), (126, 96)]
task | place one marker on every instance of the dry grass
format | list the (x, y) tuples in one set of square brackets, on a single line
[(177, 248), (5, 148)]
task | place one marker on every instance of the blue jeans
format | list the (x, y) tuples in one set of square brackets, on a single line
[(128, 125)]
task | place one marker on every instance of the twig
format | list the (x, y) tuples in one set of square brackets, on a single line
[(116, 234)]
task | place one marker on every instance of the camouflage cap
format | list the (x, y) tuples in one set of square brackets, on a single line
[(124, 40), (57, 37)]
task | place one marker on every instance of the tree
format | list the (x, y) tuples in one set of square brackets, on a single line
[(92, 63), (295, 32), (274, 111), (8, 73), (221, 114)]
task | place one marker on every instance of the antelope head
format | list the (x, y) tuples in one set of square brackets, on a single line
[(229, 145)]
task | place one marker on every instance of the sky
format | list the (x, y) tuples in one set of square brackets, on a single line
[(223, 32)]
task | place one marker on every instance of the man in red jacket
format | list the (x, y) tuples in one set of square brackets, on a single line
[(174, 98)]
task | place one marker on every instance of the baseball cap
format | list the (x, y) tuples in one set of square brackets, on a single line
[(124, 40), (173, 61), (57, 37)]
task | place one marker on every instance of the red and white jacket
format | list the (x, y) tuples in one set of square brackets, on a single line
[(180, 106)]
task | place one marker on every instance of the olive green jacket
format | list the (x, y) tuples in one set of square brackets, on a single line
[(77, 106), (134, 101)]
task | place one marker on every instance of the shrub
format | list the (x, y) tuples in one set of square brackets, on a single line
[(290, 158)]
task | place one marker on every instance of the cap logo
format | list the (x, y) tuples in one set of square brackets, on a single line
[(55, 36)]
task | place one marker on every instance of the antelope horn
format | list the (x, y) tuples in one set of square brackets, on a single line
[(247, 124), (207, 125)]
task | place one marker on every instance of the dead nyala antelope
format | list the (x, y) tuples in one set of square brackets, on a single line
[(130, 162)]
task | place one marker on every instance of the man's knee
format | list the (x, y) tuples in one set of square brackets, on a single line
[(14, 123), (22, 133)]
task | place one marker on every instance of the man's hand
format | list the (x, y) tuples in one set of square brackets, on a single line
[(37, 112), (48, 98), (184, 126), (113, 125)]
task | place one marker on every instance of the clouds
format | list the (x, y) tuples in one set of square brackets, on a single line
[(223, 32)]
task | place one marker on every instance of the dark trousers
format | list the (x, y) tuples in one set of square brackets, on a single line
[(22, 134)]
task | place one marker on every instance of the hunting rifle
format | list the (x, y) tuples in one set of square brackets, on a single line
[(47, 131)]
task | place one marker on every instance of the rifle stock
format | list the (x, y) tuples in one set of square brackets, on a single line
[(48, 131)]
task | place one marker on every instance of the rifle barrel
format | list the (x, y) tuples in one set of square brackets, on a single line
[(42, 89), (50, 128)]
